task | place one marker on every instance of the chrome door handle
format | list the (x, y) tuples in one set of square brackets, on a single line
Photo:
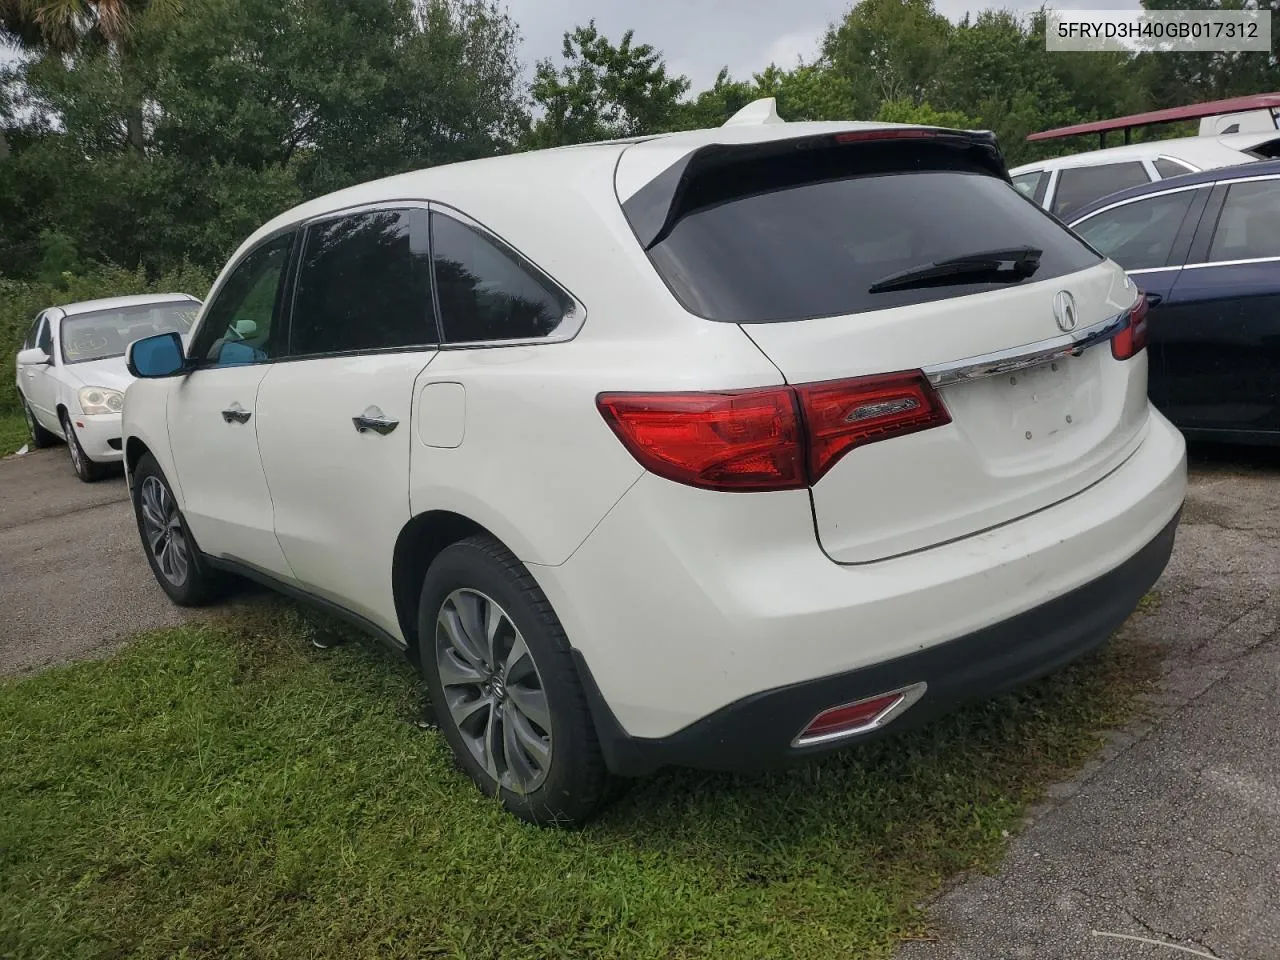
[(375, 420), (236, 414)]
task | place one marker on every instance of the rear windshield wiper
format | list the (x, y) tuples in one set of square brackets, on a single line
[(1015, 263)]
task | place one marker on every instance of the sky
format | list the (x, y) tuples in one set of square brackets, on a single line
[(698, 37)]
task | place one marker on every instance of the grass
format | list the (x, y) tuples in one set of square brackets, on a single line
[(226, 790), (13, 432)]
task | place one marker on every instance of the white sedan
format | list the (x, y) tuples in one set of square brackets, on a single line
[(71, 372)]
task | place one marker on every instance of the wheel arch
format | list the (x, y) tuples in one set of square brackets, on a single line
[(420, 541)]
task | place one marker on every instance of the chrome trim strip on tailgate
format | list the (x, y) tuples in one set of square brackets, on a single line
[(1027, 355)]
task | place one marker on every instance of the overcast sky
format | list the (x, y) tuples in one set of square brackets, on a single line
[(698, 37)]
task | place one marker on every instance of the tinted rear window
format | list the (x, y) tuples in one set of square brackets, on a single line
[(814, 249)]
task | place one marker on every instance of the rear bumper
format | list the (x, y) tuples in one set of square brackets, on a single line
[(757, 731)]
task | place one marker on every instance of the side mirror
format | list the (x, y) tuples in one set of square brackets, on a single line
[(33, 357), (158, 356)]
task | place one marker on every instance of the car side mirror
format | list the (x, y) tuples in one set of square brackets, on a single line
[(33, 357), (158, 356)]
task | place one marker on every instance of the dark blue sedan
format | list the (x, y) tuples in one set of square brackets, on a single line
[(1206, 249)]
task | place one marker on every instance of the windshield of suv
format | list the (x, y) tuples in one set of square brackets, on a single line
[(106, 333), (818, 249)]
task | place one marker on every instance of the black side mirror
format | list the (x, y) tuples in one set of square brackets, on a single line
[(158, 356)]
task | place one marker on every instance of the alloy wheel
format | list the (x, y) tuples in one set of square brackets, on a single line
[(493, 691), (31, 421), (162, 525)]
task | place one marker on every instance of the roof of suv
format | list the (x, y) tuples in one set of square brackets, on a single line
[(1262, 168), (1199, 151)]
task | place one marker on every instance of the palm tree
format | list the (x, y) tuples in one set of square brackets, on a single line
[(65, 26)]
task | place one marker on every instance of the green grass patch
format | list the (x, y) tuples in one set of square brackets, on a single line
[(226, 790), (13, 433)]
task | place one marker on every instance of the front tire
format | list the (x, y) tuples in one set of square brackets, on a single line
[(85, 469), (503, 686), (40, 437), (179, 567)]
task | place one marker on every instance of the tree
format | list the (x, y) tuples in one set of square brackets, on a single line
[(888, 50), (602, 91)]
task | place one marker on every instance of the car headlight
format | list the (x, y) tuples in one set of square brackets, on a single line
[(101, 400)]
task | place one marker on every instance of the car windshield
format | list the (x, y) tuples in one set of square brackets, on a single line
[(106, 333)]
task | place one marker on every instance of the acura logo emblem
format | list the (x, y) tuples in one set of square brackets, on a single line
[(1064, 311)]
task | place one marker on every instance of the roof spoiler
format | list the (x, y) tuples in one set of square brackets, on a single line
[(654, 209)]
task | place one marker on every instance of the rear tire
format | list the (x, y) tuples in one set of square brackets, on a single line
[(504, 689), (179, 567), (86, 469), (40, 437)]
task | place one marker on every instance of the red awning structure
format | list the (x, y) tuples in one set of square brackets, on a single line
[(1257, 101)]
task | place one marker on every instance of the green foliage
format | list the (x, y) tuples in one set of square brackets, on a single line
[(223, 789), (904, 111), (602, 91), (21, 300)]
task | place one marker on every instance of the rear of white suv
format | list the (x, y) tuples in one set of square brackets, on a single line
[(724, 449)]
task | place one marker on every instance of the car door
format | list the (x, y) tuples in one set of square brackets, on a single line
[(212, 413), (39, 384), (1222, 346), (334, 421), (1149, 236)]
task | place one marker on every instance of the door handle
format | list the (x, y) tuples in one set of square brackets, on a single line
[(1153, 299), (375, 420), (236, 414)]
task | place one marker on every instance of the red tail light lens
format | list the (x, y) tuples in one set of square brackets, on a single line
[(745, 440), (843, 414), (1133, 338), (889, 133), (759, 439)]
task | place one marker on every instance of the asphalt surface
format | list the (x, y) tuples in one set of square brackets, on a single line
[(73, 577), (1174, 834)]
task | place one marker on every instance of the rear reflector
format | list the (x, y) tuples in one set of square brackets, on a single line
[(776, 438), (862, 716), (1133, 338)]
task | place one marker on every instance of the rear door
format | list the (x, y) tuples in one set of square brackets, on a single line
[(38, 384), (795, 250), (334, 419), (1150, 237), (1221, 341)]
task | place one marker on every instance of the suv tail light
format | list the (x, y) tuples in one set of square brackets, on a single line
[(775, 438), (1133, 338)]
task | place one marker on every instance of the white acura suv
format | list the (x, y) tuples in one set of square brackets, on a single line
[(722, 448)]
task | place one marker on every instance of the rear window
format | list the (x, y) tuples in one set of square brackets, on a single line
[(814, 249)]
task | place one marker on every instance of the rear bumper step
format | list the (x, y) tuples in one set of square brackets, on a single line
[(759, 731)]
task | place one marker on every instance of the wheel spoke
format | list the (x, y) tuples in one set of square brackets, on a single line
[(473, 611), (492, 744), (518, 664), (522, 735), (532, 703), (178, 549), (521, 771), (450, 624), (454, 670)]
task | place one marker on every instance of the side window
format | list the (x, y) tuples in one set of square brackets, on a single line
[(1080, 185), (364, 283), (237, 324), (1249, 226), (1029, 184), (1138, 234), (488, 291), (44, 339), (1170, 168)]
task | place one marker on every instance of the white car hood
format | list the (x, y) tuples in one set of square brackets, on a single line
[(110, 372)]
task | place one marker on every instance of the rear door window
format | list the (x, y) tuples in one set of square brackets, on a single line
[(1249, 227), (814, 249), (1140, 234), (1171, 168), (364, 284), (1078, 186), (1031, 185)]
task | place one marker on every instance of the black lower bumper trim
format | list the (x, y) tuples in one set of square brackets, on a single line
[(756, 732)]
